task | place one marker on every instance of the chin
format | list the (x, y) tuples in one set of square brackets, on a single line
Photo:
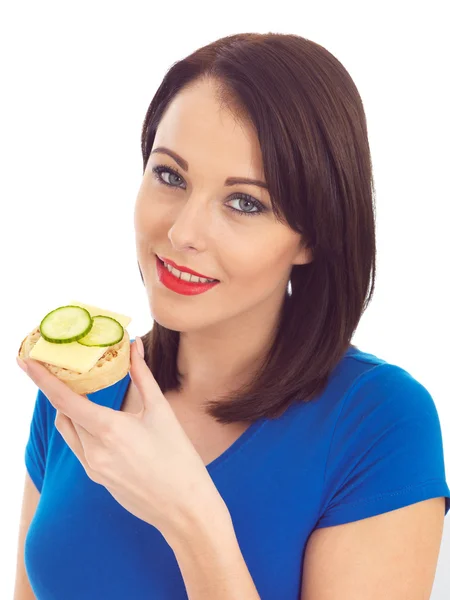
[(168, 318)]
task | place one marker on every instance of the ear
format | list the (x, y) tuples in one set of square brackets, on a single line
[(304, 254)]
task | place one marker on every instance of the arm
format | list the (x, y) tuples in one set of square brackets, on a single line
[(391, 556), (209, 557), (31, 496)]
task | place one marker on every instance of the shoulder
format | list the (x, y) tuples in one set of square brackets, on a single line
[(385, 449), (387, 388), (384, 494)]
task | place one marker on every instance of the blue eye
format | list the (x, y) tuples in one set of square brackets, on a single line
[(247, 198), (164, 169), (159, 170)]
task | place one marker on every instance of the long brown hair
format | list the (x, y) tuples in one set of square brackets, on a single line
[(312, 130)]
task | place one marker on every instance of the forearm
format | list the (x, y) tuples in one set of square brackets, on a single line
[(211, 561)]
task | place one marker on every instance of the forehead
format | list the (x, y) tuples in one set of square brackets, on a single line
[(202, 131)]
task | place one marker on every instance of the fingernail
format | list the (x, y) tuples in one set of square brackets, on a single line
[(22, 364), (139, 346)]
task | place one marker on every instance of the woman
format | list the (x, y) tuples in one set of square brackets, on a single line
[(304, 466)]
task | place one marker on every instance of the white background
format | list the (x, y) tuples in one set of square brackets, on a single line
[(76, 81)]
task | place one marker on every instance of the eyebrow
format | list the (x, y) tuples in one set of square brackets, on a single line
[(229, 181)]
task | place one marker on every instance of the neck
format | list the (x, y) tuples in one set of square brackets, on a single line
[(220, 361)]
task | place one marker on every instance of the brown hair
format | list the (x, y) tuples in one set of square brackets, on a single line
[(312, 131)]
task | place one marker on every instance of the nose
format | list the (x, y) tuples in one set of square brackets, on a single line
[(189, 231)]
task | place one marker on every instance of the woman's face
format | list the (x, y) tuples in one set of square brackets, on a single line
[(191, 218)]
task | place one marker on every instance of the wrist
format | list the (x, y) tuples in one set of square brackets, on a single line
[(202, 522)]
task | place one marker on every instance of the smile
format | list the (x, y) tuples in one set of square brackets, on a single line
[(181, 282), (186, 276)]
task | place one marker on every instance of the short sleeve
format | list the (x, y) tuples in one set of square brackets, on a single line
[(387, 449), (37, 446)]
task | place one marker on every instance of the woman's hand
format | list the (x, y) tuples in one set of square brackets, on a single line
[(145, 460)]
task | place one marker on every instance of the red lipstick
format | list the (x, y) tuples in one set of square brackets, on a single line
[(180, 286), (185, 269)]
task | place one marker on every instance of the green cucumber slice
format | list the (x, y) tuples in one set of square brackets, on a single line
[(106, 331), (66, 324)]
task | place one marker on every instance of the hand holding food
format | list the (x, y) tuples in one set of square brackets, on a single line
[(145, 460), (86, 347)]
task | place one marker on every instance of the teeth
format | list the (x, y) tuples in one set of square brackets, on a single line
[(187, 276)]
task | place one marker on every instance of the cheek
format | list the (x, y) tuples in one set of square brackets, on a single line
[(262, 268), (255, 273), (139, 218), (145, 234), (152, 213), (148, 220), (251, 256)]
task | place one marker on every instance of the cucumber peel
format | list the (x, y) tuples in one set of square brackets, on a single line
[(66, 324), (105, 331), (72, 323)]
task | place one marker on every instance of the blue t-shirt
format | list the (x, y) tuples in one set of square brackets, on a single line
[(369, 444)]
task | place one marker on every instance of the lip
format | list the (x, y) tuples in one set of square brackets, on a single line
[(186, 288), (184, 269)]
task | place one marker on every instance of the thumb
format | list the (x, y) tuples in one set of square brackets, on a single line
[(142, 377), (139, 346)]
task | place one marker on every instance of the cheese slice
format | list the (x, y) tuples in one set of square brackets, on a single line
[(75, 356)]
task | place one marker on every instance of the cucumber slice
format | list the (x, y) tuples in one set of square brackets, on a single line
[(106, 331), (66, 324)]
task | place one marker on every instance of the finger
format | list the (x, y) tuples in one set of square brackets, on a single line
[(86, 438), (70, 433), (94, 418), (143, 379), (67, 430)]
